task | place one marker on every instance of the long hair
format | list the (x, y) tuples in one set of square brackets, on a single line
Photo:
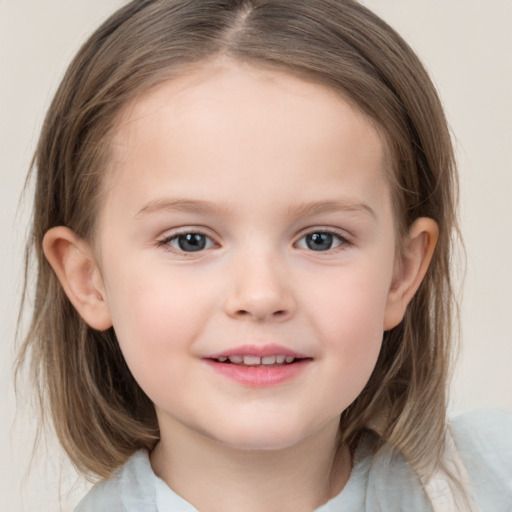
[(99, 412)]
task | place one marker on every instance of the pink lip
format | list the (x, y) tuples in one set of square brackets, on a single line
[(257, 350), (258, 376)]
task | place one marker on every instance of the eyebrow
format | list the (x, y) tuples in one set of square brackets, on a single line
[(200, 207), (317, 207), (204, 207)]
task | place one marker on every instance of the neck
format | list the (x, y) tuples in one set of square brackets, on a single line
[(217, 478)]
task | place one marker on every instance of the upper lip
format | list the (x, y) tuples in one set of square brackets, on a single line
[(257, 350)]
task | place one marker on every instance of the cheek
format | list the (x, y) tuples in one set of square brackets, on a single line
[(155, 336), (350, 304), (348, 318), (154, 316)]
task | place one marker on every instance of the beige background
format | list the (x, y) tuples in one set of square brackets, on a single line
[(467, 46)]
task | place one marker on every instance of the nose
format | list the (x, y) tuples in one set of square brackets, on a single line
[(260, 290)]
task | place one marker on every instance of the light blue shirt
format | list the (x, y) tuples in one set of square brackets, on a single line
[(379, 482)]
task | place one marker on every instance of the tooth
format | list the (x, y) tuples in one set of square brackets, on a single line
[(289, 359), (268, 360), (236, 359), (280, 359), (222, 359), (252, 360)]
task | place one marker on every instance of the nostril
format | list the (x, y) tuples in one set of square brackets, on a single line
[(241, 313)]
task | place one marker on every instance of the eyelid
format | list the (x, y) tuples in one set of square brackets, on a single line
[(340, 234), (164, 241), (170, 235)]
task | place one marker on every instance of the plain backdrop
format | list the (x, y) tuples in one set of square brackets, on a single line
[(466, 45)]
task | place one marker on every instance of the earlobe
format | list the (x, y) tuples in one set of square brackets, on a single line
[(73, 262), (410, 269)]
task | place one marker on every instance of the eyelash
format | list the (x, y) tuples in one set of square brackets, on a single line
[(343, 241), (166, 242)]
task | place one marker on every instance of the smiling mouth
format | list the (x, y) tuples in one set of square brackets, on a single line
[(266, 361), (259, 371)]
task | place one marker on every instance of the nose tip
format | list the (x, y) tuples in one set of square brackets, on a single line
[(260, 296), (259, 313)]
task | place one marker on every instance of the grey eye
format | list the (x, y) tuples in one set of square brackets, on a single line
[(190, 242), (320, 241)]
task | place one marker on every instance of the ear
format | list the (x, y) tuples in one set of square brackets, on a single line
[(73, 261), (410, 269)]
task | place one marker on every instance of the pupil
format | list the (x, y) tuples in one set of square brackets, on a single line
[(319, 241), (191, 242)]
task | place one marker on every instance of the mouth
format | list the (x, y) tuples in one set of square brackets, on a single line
[(272, 361), (259, 366)]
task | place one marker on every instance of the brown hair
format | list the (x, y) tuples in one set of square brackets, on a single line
[(100, 414)]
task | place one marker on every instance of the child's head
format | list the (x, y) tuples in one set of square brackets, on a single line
[(228, 83)]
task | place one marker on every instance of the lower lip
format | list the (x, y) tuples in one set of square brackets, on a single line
[(259, 376)]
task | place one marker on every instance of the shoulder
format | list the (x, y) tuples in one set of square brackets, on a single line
[(381, 480), (484, 427), (131, 488), (484, 440), (393, 484), (485, 436)]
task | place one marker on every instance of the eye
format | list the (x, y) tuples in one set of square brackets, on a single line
[(321, 241), (188, 242)]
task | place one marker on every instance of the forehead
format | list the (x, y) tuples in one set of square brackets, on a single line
[(234, 90), (229, 122)]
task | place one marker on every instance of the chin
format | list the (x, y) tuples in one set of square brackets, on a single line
[(263, 438)]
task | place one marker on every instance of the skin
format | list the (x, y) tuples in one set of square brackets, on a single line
[(275, 159)]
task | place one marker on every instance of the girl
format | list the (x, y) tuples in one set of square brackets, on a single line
[(243, 224)]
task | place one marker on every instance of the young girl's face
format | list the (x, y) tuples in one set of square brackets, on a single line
[(247, 218)]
